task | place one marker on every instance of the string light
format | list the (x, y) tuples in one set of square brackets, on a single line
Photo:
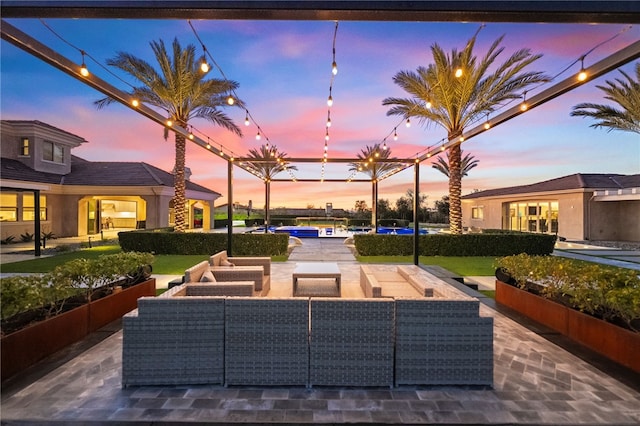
[(334, 66), (458, 72), (523, 105), (230, 100), (328, 120), (204, 66), (330, 99), (427, 104), (246, 119), (395, 133), (169, 123), (408, 123), (83, 68), (258, 136), (582, 75), (135, 103)]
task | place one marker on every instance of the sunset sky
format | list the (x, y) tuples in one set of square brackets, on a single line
[(284, 72)]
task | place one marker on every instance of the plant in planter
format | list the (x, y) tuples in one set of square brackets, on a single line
[(610, 293), (30, 298)]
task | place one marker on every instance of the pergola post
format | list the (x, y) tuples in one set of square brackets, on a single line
[(267, 201), (36, 221), (374, 208), (229, 208), (416, 207)]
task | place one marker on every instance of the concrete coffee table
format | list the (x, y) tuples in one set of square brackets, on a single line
[(317, 270)]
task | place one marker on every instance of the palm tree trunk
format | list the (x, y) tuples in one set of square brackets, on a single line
[(179, 200), (455, 189)]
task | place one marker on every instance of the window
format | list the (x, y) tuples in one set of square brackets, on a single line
[(534, 216), (28, 208), (8, 207), (24, 147), (52, 152), (477, 212)]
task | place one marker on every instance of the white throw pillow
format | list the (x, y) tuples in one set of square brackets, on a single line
[(207, 277), (225, 262)]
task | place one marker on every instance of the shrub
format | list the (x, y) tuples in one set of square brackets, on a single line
[(76, 277), (8, 240), (203, 243), (601, 290), (455, 245), (26, 237)]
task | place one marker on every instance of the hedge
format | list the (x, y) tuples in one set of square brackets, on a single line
[(203, 243), (455, 245)]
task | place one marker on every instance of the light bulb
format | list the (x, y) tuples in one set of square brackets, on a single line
[(191, 136), (524, 106), (461, 138), (258, 136), (204, 66), (487, 125), (328, 122), (384, 146), (330, 101), (230, 100), (395, 135), (208, 146), (458, 73), (334, 68), (246, 121), (427, 104), (377, 154), (408, 123), (326, 136), (83, 70), (169, 123), (582, 75), (135, 103)]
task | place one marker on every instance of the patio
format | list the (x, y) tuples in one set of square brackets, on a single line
[(536, 381)]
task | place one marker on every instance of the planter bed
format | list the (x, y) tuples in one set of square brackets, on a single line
[(612, 341), (27, 346)]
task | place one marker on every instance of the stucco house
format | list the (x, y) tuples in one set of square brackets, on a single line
[(79, 197), (582, 206)]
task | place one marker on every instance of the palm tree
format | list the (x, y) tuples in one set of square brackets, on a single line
[(180, 90), (273, 162), (625, 93), (458, 90), (467, 163), (375, 170)]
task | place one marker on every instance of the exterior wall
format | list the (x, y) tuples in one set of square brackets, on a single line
[(614, 220), (571, 212)]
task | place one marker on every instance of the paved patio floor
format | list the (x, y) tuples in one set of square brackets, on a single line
[(539, 378)]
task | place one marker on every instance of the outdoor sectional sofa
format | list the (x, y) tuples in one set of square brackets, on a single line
[(179, 338), (249, 275)]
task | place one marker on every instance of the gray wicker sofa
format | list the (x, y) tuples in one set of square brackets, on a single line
[(306, 341), (240, 276)]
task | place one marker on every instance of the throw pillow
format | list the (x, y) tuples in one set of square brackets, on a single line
[(225, 262), (207, 277)]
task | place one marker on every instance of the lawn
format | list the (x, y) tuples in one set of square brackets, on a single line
[(163, 264), (462, 265)]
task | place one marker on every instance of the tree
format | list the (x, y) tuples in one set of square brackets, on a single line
[(271, 163), (374, 169), (404, 207), (443, 207), (625, 93), (384, 209), (180, 90), (455, 91), (467, 163)]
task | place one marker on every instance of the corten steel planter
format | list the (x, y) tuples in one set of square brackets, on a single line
[(35, 342), (614, 342)]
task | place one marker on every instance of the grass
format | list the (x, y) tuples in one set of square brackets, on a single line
[(163, 264), (46, 264), (489, 293), (462, 265)]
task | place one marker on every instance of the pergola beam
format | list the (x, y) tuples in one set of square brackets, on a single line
[(561, 11)]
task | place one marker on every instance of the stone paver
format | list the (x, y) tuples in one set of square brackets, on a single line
[(535, 382)]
